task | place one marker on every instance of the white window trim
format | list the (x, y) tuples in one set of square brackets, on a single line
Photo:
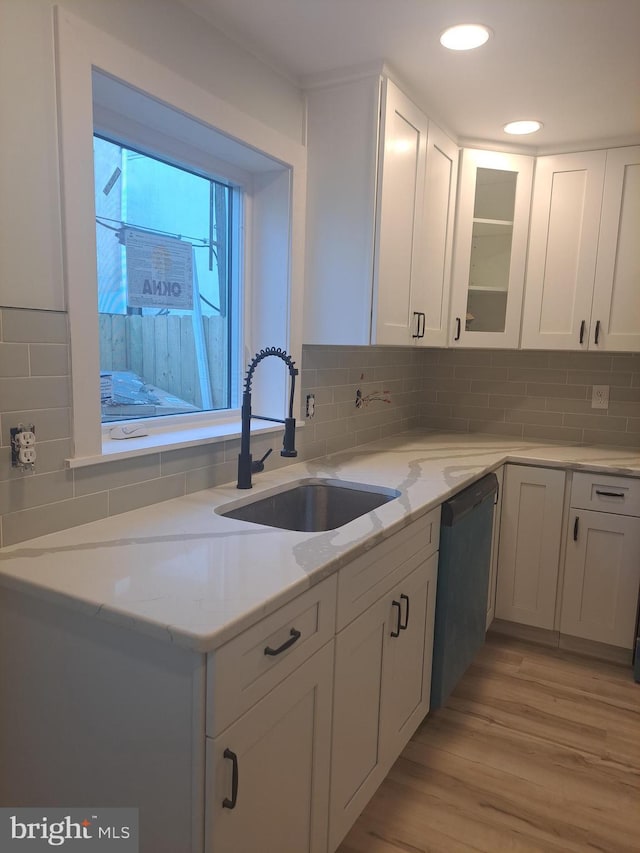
[(79, 48)]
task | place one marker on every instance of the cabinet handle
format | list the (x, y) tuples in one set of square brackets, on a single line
[(418, 315), (396, 633), (293, 636), (458, 328), (575, 528), (610, 494), (231, 803), (597, 335), (424, 323), (582, 325), (403, 627)]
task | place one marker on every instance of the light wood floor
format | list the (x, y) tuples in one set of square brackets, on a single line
[(536, 750)]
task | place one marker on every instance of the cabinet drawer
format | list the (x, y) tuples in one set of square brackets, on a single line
[(606, 493), (250, 665), (371, 575)]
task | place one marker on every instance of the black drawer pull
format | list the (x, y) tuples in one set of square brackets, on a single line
[(597, 335), (458, 328), (396, 633), (293, 636), (575, 528), (610, 494), (582, 325), (231, 803), (405, 625)]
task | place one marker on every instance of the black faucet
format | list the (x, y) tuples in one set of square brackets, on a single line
[(246, 467)]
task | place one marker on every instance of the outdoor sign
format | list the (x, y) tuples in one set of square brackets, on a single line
[(159, 271)]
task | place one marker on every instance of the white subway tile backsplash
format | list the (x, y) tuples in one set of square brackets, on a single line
[(49, 359), (34, 393), (29, 326), (29, 523), (533, 395), (14, 359), (126, 498)]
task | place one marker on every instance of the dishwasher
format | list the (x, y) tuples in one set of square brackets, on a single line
[(466, 529)]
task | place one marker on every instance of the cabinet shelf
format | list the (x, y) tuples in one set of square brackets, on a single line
[(492, 227)]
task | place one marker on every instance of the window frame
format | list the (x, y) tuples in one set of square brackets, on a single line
[(274, 244), (140, 138)]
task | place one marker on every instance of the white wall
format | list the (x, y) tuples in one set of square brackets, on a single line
[(30, 232)]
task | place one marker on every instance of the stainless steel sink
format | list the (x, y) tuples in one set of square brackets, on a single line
[(311, 505)]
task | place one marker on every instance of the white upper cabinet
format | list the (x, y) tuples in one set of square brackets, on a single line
[(401, 184), (583, 274), (615, 314), (431, 297), (492, 223), (563, 243), (381, 191)]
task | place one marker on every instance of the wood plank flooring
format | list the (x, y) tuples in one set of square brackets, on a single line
[(536, 750)]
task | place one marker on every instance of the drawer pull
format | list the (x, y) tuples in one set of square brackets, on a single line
[(575, 528), (231, 803), (396, 633), (293, 636), (403, 627), (610, 494)]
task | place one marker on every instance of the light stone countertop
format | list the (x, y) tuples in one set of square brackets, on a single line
[(180, 572)]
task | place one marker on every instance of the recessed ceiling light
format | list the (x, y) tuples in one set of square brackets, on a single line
[(465, 36), (522, 127)]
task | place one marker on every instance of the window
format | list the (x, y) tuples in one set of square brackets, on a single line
[(149, 119), (167, 293)]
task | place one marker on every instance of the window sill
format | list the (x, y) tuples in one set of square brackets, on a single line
[(160, 441)]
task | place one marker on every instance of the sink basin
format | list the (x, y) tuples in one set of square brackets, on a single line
[(311, 505)]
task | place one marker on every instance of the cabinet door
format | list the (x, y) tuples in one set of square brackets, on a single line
[(492, 222), (281, 751), (403, 148), (565, 217), (407, 685), (431, 293), (530, 533), (615, 316), (342, 144), (381, 691), (356, 766), (601, 577)]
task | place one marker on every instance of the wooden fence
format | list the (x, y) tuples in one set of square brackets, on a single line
[(161, 350)]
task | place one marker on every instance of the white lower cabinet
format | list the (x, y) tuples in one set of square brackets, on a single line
[(382, 688), (268, 726), (530, 536), (595, 598), (602, 564), (268, 773)]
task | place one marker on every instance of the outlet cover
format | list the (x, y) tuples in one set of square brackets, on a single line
[(600, 397)]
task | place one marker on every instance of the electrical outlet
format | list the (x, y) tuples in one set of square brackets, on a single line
[(23, 446), (600, 397), (27, 455), (25, 438), (311, 405)]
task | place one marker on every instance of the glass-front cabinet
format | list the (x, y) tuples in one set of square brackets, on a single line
[(490, 251)]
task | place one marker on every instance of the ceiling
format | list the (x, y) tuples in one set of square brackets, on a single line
[(573, 64)]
